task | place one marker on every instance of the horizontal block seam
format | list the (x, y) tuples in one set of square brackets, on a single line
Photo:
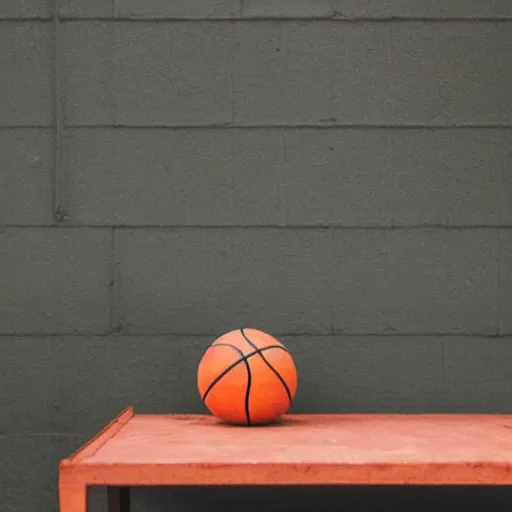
[(405, 227), (230, 126), (260, 18)]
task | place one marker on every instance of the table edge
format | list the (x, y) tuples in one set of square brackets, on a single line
[(104, 435), (293, 474)]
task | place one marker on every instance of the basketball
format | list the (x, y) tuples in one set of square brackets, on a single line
[(247, 377)]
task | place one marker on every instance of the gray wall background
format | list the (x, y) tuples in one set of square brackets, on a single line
[(337, 173)]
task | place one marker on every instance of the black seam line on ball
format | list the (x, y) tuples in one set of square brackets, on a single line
[(236, 363), (267, 362), (249, 379), (247, 392)]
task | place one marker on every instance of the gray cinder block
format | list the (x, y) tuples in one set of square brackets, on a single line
[(55, 280), (202, 281), (416, 281)]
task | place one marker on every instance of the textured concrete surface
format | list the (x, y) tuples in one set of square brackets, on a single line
[(210, 281), (505, 241), (86, 8), (28, 376), (25, 74), (148, 74), (372, 73), (26, 9), (191, 177), (287, 73), (353, 177), (235, 9), (416, 281), (26, 177), (192, 9), (376, 9), (321, 170), (55, 280)]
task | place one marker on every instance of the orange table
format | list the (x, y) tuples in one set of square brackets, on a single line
[(145, 450)]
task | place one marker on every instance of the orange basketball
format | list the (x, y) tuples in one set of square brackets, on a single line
[(247, 377)]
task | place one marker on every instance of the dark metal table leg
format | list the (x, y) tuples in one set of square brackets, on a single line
[(118, 499)]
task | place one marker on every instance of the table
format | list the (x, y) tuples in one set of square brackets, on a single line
[(302, 449)]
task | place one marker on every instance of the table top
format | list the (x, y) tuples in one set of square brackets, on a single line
[(301, 449)]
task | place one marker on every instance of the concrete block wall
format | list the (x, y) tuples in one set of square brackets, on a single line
[(336, 172)]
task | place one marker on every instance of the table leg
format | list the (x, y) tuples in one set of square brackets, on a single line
[(118, 499), (72, 497)]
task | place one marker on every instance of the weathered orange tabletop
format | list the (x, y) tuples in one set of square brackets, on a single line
[(301, 450)]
